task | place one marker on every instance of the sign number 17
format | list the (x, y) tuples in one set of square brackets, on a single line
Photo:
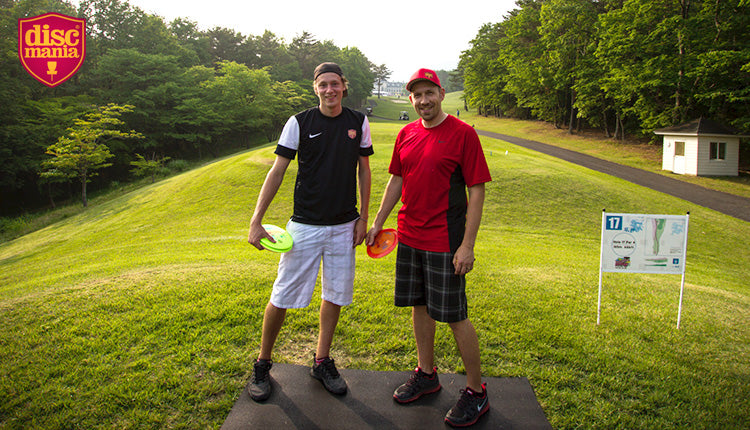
[(614, 223)]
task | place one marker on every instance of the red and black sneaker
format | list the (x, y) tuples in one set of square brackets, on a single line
[(418, 385), (469, 408)]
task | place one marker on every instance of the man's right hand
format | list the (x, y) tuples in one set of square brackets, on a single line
[(257, 232), (372, 234)]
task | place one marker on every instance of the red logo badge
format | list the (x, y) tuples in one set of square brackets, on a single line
[(52, 46), (352, 133)]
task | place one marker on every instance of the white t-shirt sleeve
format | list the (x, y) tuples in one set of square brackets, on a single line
[(366, 141), (290, 134)]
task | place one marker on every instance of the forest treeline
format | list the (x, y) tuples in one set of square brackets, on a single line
[(194, 93), (626, 67)]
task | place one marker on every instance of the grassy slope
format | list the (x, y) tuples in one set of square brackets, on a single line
[(145, 311)]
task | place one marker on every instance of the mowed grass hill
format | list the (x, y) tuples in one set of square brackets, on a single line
[(145, 311)]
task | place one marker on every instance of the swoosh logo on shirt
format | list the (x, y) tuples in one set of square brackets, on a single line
[(313, 136)]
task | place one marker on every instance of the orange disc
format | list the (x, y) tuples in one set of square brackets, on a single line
[(385, 242)]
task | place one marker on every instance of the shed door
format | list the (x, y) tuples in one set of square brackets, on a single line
[(679, 158)]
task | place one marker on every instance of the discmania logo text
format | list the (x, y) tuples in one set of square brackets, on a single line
[(52, 46)]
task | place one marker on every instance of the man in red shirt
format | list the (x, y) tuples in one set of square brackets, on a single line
[(435, 160)]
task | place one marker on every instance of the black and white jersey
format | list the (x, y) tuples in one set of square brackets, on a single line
[(328, 150)]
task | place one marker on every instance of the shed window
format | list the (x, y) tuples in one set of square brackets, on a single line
[(718, 151), (679, 149)]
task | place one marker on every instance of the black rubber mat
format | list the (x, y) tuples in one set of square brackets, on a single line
[(300, 402)]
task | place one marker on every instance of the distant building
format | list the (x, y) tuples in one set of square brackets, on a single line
[(701, 148), (391, 89)]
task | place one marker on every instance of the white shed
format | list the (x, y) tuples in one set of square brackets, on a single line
[(701, 148)]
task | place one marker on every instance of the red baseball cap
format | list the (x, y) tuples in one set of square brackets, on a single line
[(423, 75)]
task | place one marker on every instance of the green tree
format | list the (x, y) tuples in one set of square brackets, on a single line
[(637, 50), (28, 110), (225, 45), (188, 36), (149, 81), (358, 71), (271, 54), (308, 52), (566, 30), (721, 70), (198, 126), (148, 167), (382, 73), (189, 104), (475, 63), (193, 118), (529, 77), (666, 62), (84, 150), (634, 64), (110, 24), (451, 80), (238, 99), (287, 98)]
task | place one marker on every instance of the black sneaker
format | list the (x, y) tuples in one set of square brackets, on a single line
[(326, 372), (419, 384), (260, 383), (468, 409)]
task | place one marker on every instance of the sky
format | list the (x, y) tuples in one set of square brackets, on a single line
[(404, 38)]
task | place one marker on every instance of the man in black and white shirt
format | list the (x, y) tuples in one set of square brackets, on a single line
[(332, 144)]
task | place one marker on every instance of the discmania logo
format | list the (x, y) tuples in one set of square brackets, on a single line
[(52, 46)]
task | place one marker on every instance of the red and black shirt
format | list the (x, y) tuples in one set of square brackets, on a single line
[(436, 165)]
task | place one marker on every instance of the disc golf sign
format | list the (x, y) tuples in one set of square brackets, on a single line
[(52, 46), (639, 243)]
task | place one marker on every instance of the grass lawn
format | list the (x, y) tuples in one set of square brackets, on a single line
[(144, 311)]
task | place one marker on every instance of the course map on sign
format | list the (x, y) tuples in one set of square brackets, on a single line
[(637, 243)]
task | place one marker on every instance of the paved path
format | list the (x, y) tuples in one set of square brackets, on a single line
[(730, 204)]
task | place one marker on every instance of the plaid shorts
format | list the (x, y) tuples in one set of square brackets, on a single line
[(425, 278)]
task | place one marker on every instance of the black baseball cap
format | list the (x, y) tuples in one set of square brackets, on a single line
[(327, 68), (330, 67)]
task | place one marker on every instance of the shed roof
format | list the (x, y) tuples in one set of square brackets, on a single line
[(700, 126)]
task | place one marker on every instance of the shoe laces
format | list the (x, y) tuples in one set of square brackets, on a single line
[(417, 379), (329, 368), (465, 401), (261, 372)]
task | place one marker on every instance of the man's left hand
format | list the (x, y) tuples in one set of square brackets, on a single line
[(463, 260)]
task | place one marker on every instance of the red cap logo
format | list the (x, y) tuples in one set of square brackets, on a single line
[(52, 46), (423, 75)]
